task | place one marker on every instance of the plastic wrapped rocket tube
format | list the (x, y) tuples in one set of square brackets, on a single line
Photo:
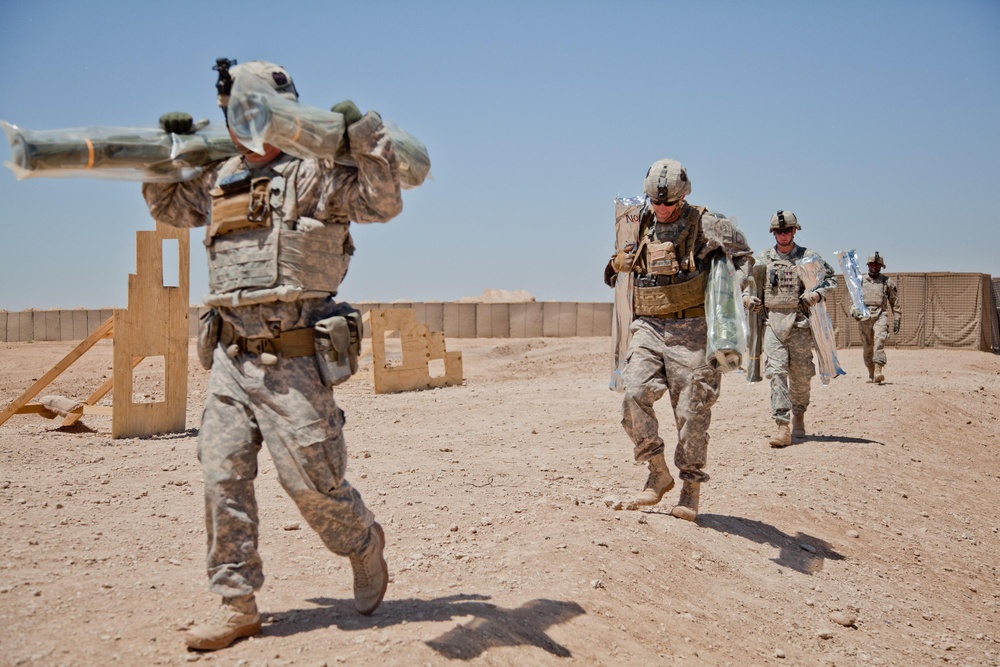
[(725, 315), (812, 272), (259, 115), (627, 213), (118, 153), (852, 276)]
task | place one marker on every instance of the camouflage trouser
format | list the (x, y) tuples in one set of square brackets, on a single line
[(790, 367), (874, 333), (669, 355), (287, 407)]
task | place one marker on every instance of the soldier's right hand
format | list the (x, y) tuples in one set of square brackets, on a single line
[(177, 122), (752, 303)]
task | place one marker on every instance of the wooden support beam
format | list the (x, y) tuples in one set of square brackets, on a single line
[(56, 370)]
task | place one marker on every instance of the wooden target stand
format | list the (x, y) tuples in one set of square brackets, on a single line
[(155, 324), (419, 347)]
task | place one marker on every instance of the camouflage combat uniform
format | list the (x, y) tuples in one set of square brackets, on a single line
[(263, 288), (788, 338), (667, 353), (879, 293)]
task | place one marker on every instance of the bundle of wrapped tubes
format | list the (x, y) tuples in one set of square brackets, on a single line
[(129, 153), (152, 155), (258, 115)]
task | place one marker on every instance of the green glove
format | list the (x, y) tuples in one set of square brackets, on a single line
[(350, 111), (856, 314), (895, 324), (177, 122)]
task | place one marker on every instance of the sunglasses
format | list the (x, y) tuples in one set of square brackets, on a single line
[(654, 202)]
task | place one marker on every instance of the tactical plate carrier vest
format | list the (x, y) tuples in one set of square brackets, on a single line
[(674, 259), (258, 243), (782, 284)]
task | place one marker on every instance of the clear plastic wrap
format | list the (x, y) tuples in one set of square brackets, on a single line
[(813, 271), (627, 212), (411, 155), (755, 326), (725, 315), (852, 276), (118, 153), (258, 115)]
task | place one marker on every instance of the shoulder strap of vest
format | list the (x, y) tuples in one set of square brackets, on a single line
[(687, 240)]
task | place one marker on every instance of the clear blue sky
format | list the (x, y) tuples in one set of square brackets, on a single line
[(876, 122)]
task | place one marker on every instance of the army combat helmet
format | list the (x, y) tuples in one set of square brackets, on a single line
[(666, 182), (271, 75), (876, 259), (783, 220)]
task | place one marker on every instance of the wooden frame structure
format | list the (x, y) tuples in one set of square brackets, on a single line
[(155, 324), (420, 346)]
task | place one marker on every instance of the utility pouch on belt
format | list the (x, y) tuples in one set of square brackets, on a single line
[(338, 344), (209, 326)]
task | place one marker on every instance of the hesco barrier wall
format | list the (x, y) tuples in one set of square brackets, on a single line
[(457, 320), (957, 310)]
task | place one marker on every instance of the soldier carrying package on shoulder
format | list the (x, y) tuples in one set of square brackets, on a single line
[(278, 242)]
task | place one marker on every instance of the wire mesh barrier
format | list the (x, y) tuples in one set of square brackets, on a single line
[(957, 310)]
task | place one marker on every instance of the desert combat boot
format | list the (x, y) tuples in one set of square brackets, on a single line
[(371, 573), (798, 426), (782, 437), (237, 617), (657, 484), (687, 506), (879, 377)]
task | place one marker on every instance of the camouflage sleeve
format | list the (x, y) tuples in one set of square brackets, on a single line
[(185, 204), (892, 294), (369, 192)]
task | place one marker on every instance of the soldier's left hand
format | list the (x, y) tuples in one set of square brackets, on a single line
[(610, 275), (895, 325), (811, 297), (177, 122), (349, 110)]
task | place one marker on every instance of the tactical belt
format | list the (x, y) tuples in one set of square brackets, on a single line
[(680, 300), (293, 343)]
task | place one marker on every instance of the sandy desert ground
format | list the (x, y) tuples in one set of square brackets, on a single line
[(874, 541)]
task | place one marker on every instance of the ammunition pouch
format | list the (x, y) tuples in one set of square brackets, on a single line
[(338, 344), (669, 300), (209, 329), (239, 204), (661, 259)]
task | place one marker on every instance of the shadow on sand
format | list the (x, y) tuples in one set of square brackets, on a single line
[(800, 552), (491, 626)]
